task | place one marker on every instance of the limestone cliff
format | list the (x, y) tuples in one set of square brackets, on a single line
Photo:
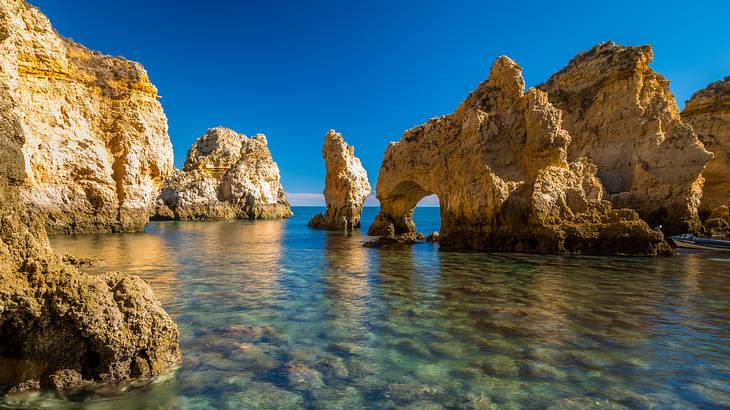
[(499, 167), (346, 186), (96, 146), (226, 175), (60, 327), (621, 115), (708, 111)]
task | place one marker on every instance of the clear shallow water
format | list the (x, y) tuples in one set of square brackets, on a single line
[(273, 314)]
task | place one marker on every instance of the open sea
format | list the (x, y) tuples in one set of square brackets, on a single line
[(273, 314)]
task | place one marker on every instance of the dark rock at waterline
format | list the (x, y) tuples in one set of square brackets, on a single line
[(402, 239), (79, 262)]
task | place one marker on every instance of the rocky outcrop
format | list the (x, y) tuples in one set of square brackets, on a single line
[(708, 112), (226, 175), (346, 186), (96, 146), (621, 115), (499, 167), (60, 327)]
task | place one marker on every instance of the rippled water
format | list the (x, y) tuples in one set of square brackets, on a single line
[(273, 314)]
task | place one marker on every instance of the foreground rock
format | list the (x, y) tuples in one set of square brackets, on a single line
[(499, 167), (346, 186), (96, 146), (708, 111), (226, 175), (621, 115), (58, 326)]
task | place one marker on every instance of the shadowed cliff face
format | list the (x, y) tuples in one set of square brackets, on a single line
[(708, 112), (226, 175), (60, 327), (96, 146), (499, 167), (621, 116), (346, 186)]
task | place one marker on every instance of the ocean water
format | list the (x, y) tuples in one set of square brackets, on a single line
[(273, 314)]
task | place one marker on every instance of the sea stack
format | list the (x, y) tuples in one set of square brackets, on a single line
[(499, 167), (59, 327), (346, 186), (621, 115), (226, 175), (708, 111), (96, 147)]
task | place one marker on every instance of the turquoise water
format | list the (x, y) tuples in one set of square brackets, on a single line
[(273, 314)]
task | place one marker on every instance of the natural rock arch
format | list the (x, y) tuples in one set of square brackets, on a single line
[(499, 167)]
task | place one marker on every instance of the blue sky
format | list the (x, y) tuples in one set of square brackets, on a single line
[(293, 70)]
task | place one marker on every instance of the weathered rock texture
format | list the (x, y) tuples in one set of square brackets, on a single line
[(708, 111), (499, 167), (621, 116), (226, 175), (96, 147), (346, 186), (60, 327)]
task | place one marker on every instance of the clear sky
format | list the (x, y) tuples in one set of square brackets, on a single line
[(295, 69)]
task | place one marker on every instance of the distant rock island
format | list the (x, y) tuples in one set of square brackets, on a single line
[(226, 175), (346, 186)]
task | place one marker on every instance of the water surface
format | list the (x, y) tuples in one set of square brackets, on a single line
[(273, 314)]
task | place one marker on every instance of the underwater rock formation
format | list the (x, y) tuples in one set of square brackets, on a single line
[(59, 327), (621, 115), (708, 112), (226, 175), (499, 167), (96, 146), (346, 186)]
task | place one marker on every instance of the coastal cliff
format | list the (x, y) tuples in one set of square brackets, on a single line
[(708, 111), (499, 165), (96, 146), (225, 176), (346, 186), (59, 327), (621, 115)]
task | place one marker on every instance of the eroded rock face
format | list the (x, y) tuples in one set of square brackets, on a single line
[(226, 175), (708, 112), (621, 116), (499, 167), (96, 146), (60, 327), (346, 186)]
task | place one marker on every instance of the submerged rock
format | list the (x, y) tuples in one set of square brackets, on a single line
[(226, 175), (303, 378), (346, 186), (708, 111), (96, 147), (60, 327), (499, 167), (621, 115)]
